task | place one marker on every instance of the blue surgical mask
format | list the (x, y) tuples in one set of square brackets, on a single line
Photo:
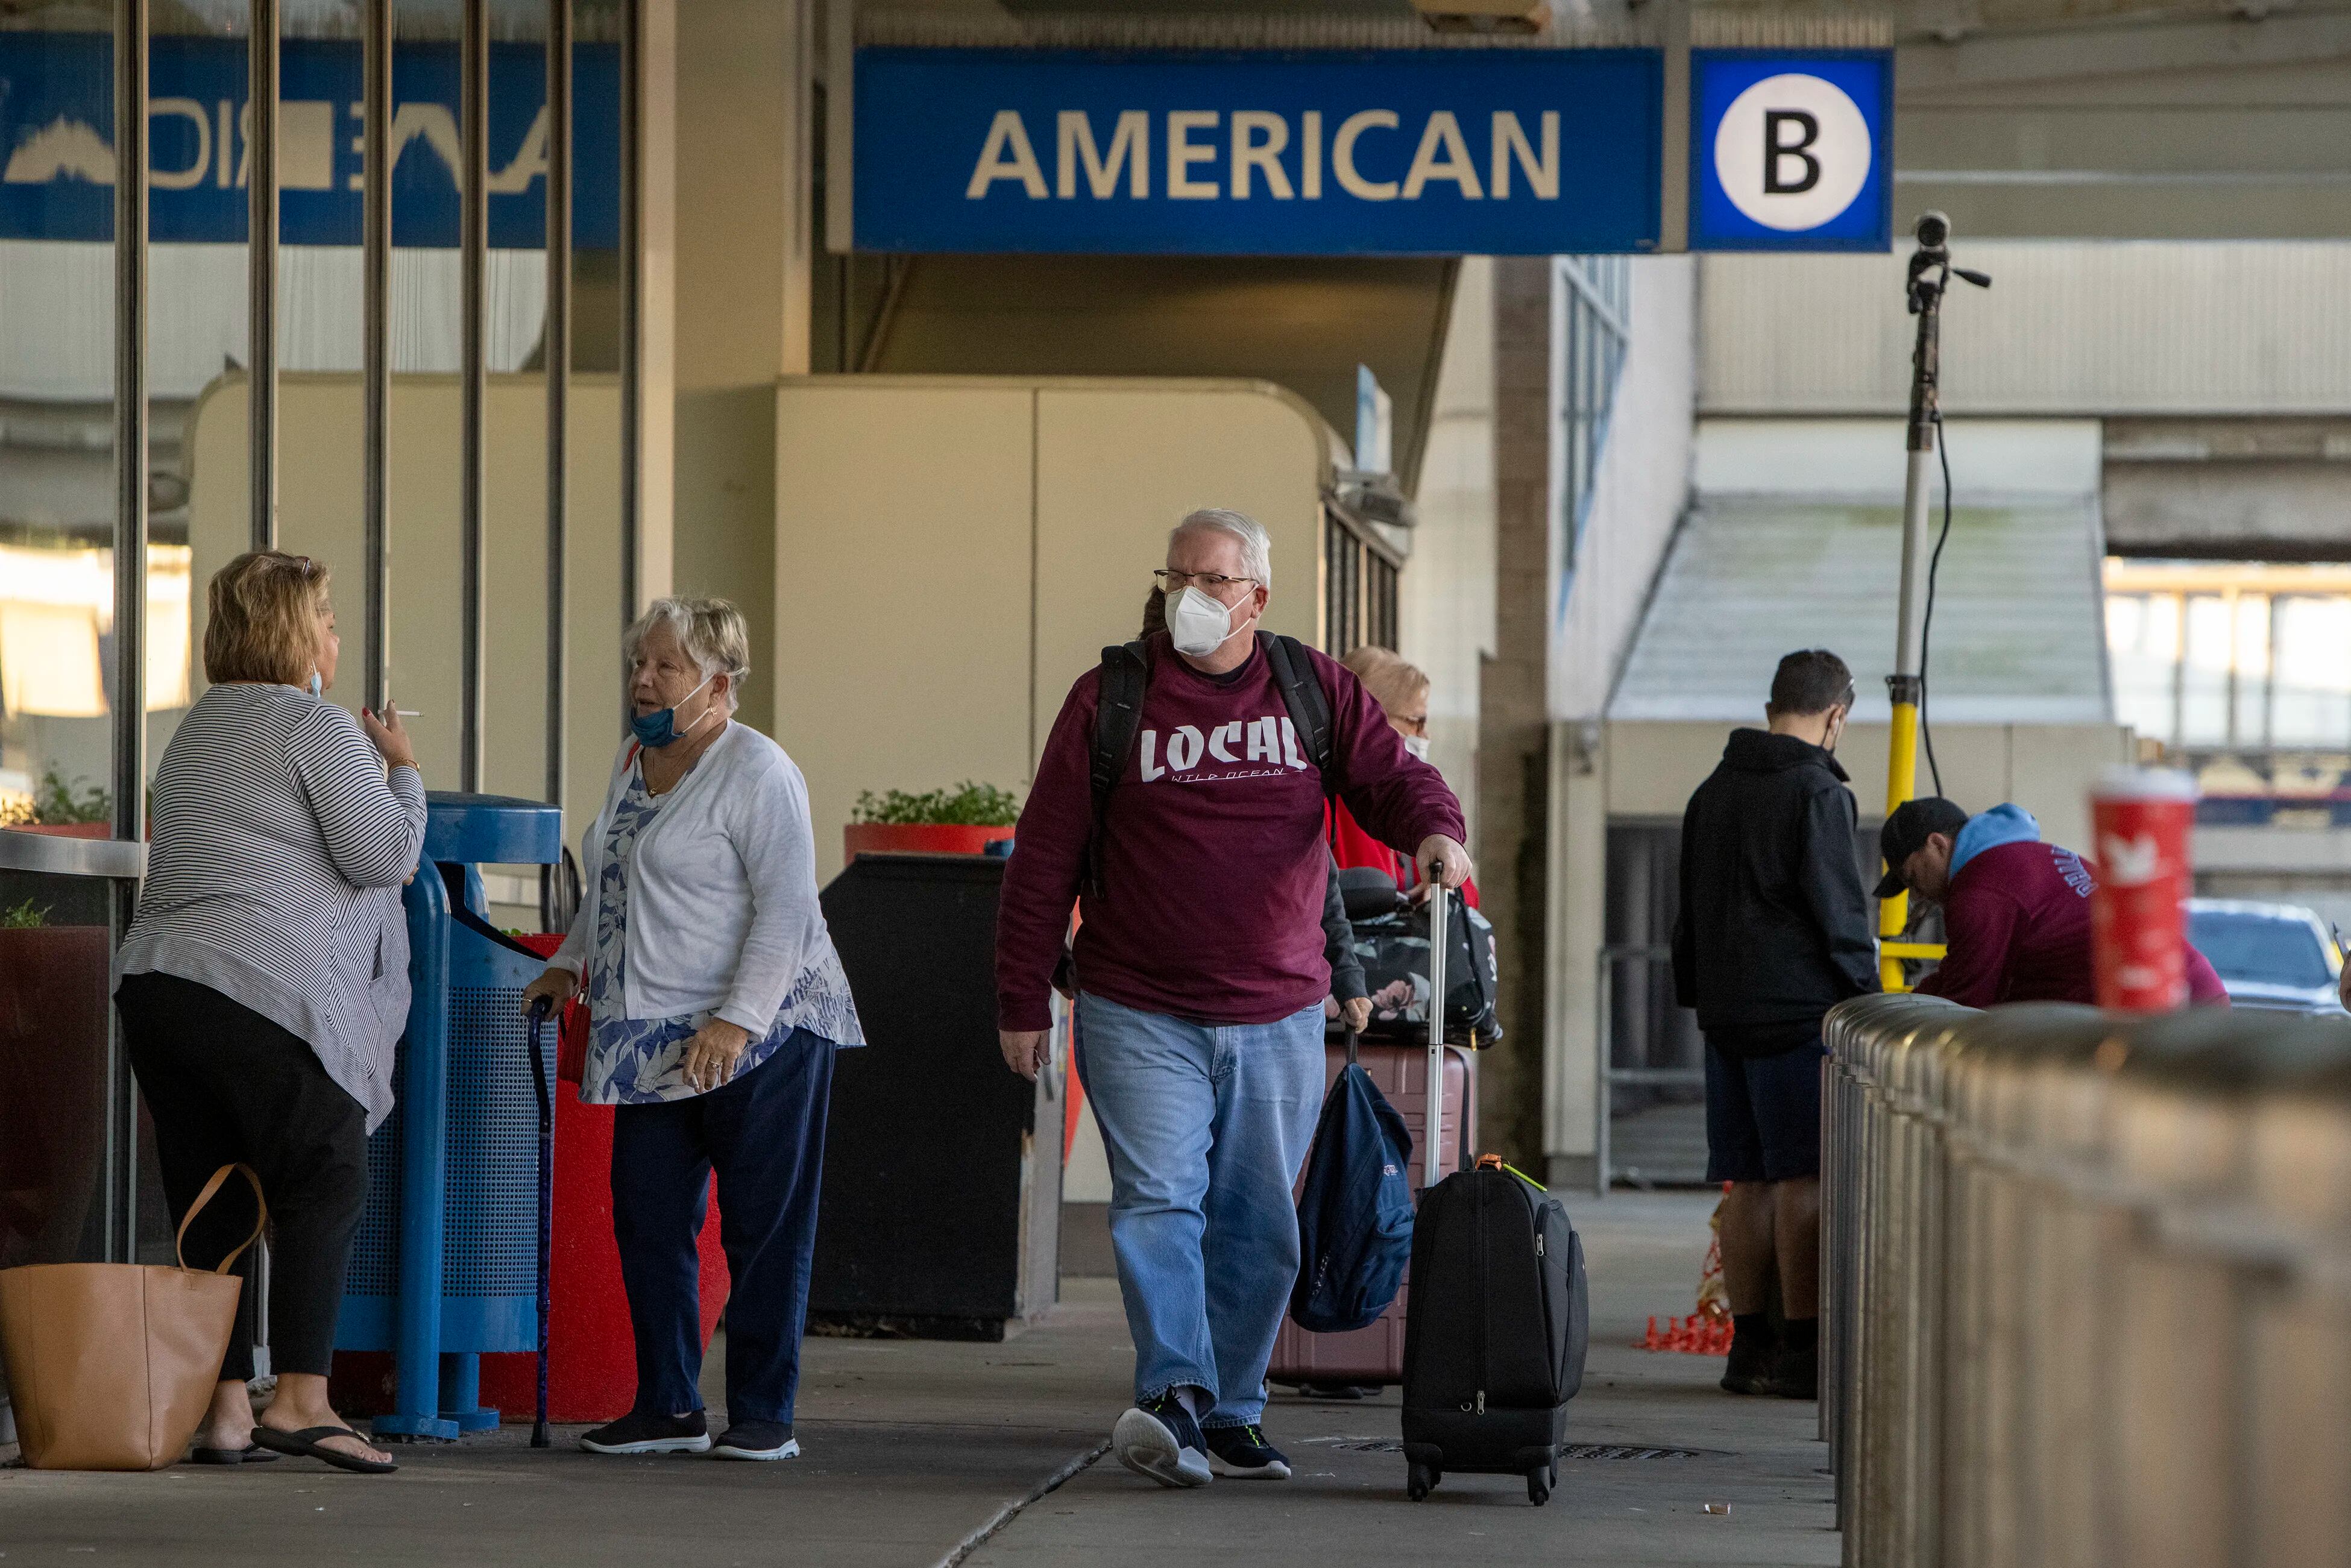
[(318, 683), (659, 728)]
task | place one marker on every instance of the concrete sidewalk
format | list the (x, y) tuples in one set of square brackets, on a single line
[(920, 1453)]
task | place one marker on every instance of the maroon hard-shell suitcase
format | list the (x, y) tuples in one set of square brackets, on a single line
[(1375, 1355)]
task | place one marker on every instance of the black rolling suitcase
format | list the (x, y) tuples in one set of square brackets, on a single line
[(1494, 1347)]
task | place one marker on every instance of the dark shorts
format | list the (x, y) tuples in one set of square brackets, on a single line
[(1763, 1115)]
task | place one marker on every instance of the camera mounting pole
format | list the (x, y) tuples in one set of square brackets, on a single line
[(1930, 277)]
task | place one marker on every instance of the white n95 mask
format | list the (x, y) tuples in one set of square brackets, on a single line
[(1198, 623)]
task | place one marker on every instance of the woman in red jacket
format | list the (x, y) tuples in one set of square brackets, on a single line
[(1402, 690)]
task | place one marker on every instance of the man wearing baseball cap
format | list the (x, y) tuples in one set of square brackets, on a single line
[(2016, 911)]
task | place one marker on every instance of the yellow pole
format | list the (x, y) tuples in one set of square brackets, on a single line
[(1901, 784)]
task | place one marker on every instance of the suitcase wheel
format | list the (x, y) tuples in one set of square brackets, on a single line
[(1423, 1477), (1538, 1481)]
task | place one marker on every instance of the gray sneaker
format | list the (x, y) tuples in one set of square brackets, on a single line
[(1159, 1438)]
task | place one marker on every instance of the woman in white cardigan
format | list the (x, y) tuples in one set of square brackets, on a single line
[(714, 1003)]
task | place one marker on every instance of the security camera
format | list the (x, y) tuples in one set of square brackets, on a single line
[(1485, 15), (1934, 231)]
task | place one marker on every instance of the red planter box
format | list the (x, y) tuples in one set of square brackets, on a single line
[(921, 837)]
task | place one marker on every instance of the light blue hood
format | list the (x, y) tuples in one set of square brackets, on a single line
[(2006, 824)]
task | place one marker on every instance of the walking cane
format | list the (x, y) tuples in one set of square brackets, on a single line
[(538, 1013)]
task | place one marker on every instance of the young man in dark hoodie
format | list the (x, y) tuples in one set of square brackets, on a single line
[(2016, 911), (1774, 930)]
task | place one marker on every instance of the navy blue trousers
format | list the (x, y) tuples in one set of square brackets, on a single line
[(764, 1137)]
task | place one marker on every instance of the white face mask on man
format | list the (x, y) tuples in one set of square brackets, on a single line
[(1198, 623), (1417, 745)]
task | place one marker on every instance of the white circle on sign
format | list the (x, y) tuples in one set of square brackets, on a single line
[(1792, 152)]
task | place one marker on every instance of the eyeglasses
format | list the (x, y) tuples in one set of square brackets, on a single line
[(1171, 581), (1411, 726)]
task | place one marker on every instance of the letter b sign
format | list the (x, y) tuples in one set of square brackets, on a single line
[(1792, 152)]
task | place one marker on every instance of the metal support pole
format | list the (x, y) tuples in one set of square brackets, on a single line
[(632, 291), (261, 268), (473, 244), (1433, 1141), (557, 354), (1906, 685), (375, 460), (120, 1194)]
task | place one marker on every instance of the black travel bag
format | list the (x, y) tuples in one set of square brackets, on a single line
[(1392, 944), (1501, 1320)]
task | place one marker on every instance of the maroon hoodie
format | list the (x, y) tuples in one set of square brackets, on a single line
[(2017, 922), (1213, 867)]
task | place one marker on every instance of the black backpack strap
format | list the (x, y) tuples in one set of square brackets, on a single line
[(1118, 719), (1302, 694)]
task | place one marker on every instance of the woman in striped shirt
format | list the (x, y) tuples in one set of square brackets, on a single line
[(264, 980)]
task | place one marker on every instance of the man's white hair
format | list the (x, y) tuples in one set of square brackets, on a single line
[(1257, 546)]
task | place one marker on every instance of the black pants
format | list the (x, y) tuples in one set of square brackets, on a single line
[(764, 1136), (225, 1084)]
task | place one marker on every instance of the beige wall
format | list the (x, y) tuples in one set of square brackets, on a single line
[(318, 514), (952, 552), (1445, 605)]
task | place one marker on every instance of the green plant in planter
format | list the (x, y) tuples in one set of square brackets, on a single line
[(24, 916), (967, 805), (56, 802)]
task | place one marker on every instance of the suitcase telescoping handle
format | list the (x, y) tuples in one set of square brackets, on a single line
[(1432, 1141)]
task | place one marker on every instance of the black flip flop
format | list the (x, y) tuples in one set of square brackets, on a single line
[(303, 1443), (251, 1454)]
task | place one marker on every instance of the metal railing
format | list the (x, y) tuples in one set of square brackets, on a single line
[(2087, 1293), (1648, 956)]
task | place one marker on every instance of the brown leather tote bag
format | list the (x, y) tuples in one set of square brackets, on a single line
[(112, 1365)]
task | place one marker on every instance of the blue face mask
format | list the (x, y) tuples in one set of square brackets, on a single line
[(659, 728), (318, 683)]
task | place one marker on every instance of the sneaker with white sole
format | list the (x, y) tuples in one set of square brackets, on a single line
[(757, 1440), (643, 1432), (1243, 1454), (1160, 1438)]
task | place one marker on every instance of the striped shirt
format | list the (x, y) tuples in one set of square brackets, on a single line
[(274, 875)]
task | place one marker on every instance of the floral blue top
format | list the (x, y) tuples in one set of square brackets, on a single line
[(639, 1062)]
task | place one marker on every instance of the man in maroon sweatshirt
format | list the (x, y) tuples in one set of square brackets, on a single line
[(1201, 976), (2016, 911)]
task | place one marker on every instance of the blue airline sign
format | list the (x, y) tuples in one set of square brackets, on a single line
[(56, 140), (1432, 152)]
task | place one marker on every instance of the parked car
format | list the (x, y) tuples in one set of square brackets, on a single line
[(2276, 956)]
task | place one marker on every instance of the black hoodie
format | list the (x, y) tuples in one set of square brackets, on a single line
[(1774, 928)]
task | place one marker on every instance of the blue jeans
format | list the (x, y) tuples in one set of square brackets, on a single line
[(764, 1134), (1205, 1127)]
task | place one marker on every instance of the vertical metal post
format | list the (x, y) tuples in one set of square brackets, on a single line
[(1433, 1143), (121, 1183), (375, 460), (633, 291), (473, 245), (261, 267), (557, 354)]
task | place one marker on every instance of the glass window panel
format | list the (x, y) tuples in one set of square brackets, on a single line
[(2250, 657), (57, 423), (2314, 672), (2143, 679), (2204, 675)]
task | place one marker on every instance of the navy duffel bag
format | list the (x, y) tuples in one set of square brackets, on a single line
[(1354, 1213)]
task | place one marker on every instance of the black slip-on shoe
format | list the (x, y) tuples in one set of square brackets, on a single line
[(641, 1432), (1160, 1438), (757, 1440), (1753, 1359), (1797, 1374), (1243, 1454)]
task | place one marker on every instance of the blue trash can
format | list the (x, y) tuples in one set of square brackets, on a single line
[(445, 1266)]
